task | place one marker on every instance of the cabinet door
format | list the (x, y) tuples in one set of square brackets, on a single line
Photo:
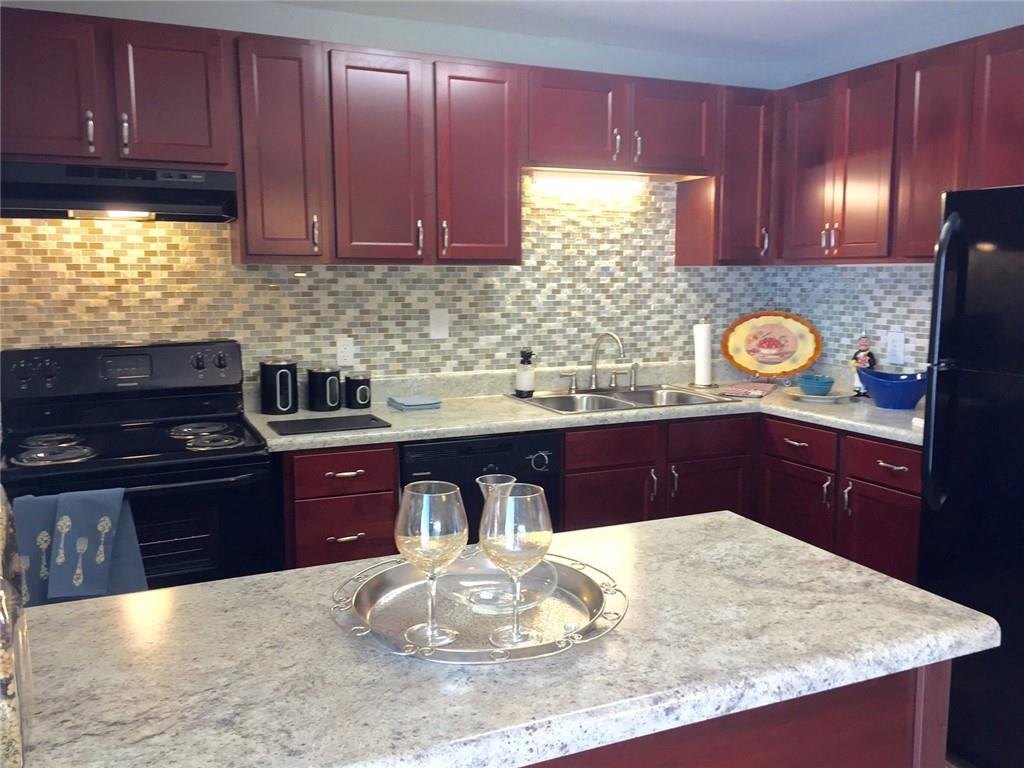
[(612, 496), (284, 137), (343, 528), (879, 528), (997, 123), (478, 158), (379, 120), (674, 126), (711, 485), (806, 153), (798, 501), (170, 94), (745, 177), (578, 119), (932, 130), (866, 101), (48, 76)]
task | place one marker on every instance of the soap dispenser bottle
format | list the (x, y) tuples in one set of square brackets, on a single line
[(525, 374)]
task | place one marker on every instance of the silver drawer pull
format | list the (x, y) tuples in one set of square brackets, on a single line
[(893, 467), (794, 443), (345, 539), (351, 473)]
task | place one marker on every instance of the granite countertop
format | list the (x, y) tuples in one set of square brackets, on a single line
[(725, 615), (497, 414)]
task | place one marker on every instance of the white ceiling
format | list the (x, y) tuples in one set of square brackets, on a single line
[(800, 39)]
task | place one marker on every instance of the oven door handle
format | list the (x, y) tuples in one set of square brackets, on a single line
[(214, 483)]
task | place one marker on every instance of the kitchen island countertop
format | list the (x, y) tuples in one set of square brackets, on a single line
[(725, 615)]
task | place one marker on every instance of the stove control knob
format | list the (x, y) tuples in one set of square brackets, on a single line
[(50, 369), (540, 460), (21, 371), (199, 361), (221, 360)]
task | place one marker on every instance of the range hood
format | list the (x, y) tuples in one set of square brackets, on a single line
[(56, 191)]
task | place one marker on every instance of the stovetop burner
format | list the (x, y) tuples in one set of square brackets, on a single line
[(48, 455), (198, 429), (213, 442), (61, 439)]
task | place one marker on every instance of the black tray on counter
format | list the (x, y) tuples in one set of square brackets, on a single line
[(327, 424)]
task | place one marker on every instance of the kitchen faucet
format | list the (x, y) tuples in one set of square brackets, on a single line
[(597, 348)]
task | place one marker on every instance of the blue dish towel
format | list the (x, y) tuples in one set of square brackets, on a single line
[(92, 547)]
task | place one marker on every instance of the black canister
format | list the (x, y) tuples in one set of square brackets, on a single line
[(279, 387), (324, 389), (357, 390)]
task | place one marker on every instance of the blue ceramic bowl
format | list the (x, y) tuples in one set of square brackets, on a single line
[(814, 384), (899, 391)]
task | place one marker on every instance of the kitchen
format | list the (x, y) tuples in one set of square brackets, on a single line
[(412, 222)]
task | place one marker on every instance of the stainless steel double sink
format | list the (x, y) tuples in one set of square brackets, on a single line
[(622, 399)]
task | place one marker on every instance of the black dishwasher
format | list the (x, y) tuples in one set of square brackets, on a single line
[(532, 457)]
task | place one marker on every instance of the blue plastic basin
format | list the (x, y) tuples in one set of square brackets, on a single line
[(899, 391)]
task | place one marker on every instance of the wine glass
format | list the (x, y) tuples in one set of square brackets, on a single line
[(515, 533), (431, 531)]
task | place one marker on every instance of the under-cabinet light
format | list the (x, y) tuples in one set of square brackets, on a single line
[(120, 215), (587, 189)]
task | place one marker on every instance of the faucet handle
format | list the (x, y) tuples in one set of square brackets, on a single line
[(571, 375), (613, 382), (634, 374)]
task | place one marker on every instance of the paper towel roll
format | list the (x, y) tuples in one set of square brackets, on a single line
[(702, 354)]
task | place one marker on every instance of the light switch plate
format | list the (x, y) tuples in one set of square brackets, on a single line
[(895, 348), (439, 323), (345, 351)]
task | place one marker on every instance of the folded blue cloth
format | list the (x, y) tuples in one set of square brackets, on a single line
[(414, 403), (34, 517)]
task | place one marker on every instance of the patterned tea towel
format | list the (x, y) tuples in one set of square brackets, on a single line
[(748, 389)]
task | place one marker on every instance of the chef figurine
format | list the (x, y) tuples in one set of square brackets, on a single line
[(862, 358)]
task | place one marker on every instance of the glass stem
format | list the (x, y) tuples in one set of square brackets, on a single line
[(517, 589), (432, 597)]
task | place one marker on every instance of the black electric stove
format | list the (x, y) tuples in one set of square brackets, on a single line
[(163, 421)]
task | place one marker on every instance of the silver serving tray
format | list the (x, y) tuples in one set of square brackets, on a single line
[(385, 599)]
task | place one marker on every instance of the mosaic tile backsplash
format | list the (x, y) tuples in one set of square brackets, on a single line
[(594, 258)]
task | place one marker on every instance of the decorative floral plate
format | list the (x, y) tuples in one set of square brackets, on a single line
[(772, 344)]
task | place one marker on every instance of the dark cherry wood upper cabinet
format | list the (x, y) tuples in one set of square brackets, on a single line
[(879, 528), (674, 127), (170, 93), (866, 100), (997, 126), (284, 141), (932, 131), (48, 85), (806, 157), (798, 501), (579, 119), (380, 143), (478, 110), (745, 176)]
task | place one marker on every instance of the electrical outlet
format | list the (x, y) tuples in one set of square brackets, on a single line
[(895, 348), (345, 351), (439, 323)]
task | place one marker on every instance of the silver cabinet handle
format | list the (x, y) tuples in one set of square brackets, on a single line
[(444, 236), (345, 539), (90, 130), (419, 237), (675, 481), (639, 146), (891, 467), (350, 473), (124, 134), (618, 143), (654, 485), (833, 235), (824, 237), (764, 242), (846, 497), (794, 443), (316, 232), (571, 375), (824, 493)]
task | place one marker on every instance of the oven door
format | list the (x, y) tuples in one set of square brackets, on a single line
[(199, 525)]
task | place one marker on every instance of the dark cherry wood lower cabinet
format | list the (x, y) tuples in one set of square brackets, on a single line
[(797, 500), (878, 527), (609, 496), (897, 721), (344, 528), (710, 485)]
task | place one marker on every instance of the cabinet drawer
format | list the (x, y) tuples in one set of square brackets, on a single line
[(342, 472), (796, 442), (893, 466), (615, 446), (704, 438), (344, 528)]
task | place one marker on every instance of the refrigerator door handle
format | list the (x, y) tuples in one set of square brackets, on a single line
[(950, 227), (935, 493)]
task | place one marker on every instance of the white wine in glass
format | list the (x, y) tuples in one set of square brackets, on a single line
[(515, 533), (431, 531)]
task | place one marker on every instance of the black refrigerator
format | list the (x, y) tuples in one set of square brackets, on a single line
[(972, 524)]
